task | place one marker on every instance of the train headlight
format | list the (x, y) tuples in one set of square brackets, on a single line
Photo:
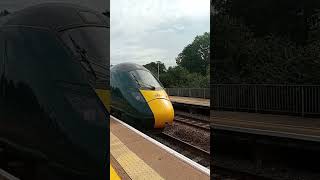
[(137, 96)]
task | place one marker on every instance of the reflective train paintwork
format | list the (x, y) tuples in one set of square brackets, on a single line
[(54, 87), (138, 98)]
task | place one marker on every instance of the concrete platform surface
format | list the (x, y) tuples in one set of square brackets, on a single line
[(135, 157), (190, 100), (266, 124)]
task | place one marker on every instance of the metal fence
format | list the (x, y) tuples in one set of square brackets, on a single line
[(293, 99), (189, 92)]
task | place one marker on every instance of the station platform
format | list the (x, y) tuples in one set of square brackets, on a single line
[(190, 101), (301, 128), (134, 155)]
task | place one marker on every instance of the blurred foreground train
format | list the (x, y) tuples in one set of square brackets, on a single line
[(138, 98), (54, 87)]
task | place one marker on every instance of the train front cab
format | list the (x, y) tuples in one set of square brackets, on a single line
[(48, 105), (139, 97), (156, 97)]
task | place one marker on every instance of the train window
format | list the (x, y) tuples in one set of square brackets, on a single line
[(95, 48), (126, 81), (145, 79)]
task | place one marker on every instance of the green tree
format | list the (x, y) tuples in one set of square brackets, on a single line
[(192, 69), (195, 57), (264, 42), (153, 67), (231, 43), (180, 77), (242, 57), (175, 77)]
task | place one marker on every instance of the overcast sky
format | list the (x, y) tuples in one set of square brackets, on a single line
[(13, 5), (148, 30)]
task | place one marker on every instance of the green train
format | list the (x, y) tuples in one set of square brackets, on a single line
[(54, 89), (138, 98)]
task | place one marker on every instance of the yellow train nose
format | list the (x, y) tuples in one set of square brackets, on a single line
[(160, 106), (163, 112)]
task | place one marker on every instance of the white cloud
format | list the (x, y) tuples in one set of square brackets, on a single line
[(150, 30)]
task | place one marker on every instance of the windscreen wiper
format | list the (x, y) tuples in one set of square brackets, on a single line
[(148, 86), (134, 77), (83, 54)]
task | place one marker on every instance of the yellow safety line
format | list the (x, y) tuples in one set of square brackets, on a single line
[(113, 174), (135, 167)]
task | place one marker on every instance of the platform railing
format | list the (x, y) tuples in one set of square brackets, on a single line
[(189, 92), (288, 99)]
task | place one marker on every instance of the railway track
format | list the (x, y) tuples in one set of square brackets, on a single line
[(203, 157), (191, 151), (192, 120)]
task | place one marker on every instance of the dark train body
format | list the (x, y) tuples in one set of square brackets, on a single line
[(54, 87), (139, 98)]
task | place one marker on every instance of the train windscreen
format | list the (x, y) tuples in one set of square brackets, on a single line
[(91, 46), (145, 79)]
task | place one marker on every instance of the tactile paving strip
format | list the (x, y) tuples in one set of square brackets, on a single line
[(135, 167)]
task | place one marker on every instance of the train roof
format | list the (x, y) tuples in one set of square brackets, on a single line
[(55, 16), (128, 67)]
